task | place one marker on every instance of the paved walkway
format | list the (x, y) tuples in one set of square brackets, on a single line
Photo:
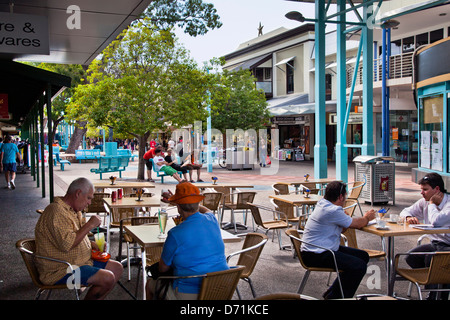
[(276, 271)]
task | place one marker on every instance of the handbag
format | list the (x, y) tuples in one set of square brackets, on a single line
[(161, 291)]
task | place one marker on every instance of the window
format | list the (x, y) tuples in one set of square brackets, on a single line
[(290, 76), (436, 35), (408, 44), (328, 86), (421, 39), (267, 74), (396, 47), (431, 134)]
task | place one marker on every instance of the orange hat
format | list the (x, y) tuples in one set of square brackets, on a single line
[(185, 193)]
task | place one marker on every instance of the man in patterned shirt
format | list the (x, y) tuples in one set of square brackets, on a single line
[(61, 233)]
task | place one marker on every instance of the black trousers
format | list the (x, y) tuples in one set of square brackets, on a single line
[(352, 262)]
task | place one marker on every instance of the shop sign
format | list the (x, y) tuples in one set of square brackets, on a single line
[(4, 106), (23, 33), (354, 118), (291, 120)]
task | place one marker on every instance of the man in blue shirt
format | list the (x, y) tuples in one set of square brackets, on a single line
[(324, 228), (194, 247), (8, 154)]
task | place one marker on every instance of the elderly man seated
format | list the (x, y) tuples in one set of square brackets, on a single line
[(61, 233), (193, 247)]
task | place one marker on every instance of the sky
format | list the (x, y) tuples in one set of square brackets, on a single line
[(241, 20)]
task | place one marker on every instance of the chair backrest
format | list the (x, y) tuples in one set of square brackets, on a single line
[(350, 235), (284, 207), (220, 285), (243, 198), (226, 191), (27, 247), (256, 215), (355, 191), (137, 221), (251, 250), (350, 206), (212, 200), (312, 187), (121, 214), (296, 244), (97, 204), (280, 188), (439, 270)]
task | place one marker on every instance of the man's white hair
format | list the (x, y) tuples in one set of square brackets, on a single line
[(83, 184)]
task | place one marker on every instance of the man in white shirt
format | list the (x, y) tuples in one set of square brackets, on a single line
[(162, 165), (324, 228), (434, 209)]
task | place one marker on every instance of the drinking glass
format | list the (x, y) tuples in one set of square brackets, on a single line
[(162, 218), (100, 241)]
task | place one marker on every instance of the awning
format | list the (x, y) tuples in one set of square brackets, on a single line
[(288, 100), (285, 61), (253, 63), (304, 108)]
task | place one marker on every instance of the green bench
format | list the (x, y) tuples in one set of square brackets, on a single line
[(87, 154), (126, 152), (57, 159), (108, 164), (162, 174)]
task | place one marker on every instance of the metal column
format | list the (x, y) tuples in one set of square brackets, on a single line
[(320, 148)]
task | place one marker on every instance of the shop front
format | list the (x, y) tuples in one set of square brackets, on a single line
[(294, 137)]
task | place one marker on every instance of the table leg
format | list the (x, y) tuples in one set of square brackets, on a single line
[(390, 266), (144, 273)]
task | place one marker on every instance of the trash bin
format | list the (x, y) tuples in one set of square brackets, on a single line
[(379, 174)]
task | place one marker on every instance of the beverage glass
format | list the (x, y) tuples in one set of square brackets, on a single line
[(381, 223), (393, 218), (162, 217), (401, 221), (100, 241)]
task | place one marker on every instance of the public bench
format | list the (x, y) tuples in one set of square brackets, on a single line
[(161, 174), (126, 152), (57, 159), (87, 154), (108, 164)]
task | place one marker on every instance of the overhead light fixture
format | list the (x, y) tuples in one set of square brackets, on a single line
[(295, 15), (388, 24)]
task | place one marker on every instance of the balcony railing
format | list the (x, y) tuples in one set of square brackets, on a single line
[(400, 66)]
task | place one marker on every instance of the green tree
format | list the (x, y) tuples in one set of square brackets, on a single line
[(144, 82), (237, 104)]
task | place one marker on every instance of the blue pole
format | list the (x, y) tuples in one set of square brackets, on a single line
[(341, 150), (320, 147), (384, 107), (208, 132)]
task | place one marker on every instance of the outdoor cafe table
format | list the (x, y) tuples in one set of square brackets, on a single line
[(101, 186), (395, 230), (147, 236), (296, 184), (128, 202), (298, 200)]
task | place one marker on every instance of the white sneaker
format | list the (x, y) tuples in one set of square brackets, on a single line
[(13, 185)]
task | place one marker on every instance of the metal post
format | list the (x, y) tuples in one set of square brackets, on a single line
[(368, 147), (41, 120), (208, 132), (320, 148), (341, 150), (48, 95)]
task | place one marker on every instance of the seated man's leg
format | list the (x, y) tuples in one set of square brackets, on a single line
[(352, 262), (104, 280)]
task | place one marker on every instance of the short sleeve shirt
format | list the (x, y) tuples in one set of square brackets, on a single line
[(194, 247), (324, 227), (9, 152), (55, 235)]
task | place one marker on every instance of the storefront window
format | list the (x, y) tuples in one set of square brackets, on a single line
[(431, 134), (404, 136)]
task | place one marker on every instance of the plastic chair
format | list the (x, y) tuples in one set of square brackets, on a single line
[(296, 242), (280, 188), (244, 198), (27, 248), (248, 257), (276, 224), (218, 285), (437, 273), (285, 296), (212, 201), (355, 191)]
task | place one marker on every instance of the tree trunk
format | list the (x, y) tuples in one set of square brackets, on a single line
[(77, 136), (141, 165)]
